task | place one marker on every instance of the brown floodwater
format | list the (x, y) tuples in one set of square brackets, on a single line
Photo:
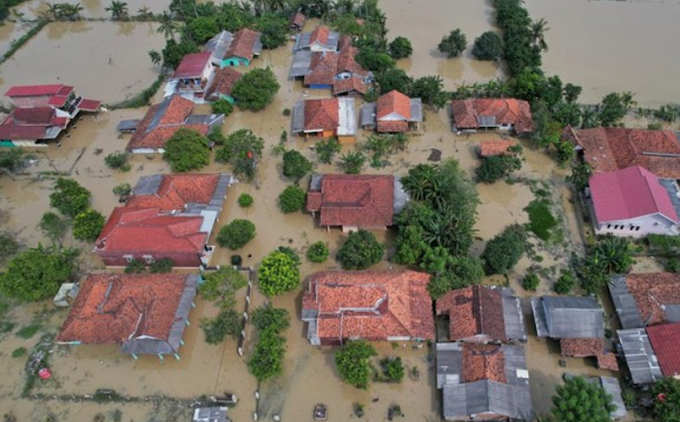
[(92, 8), (613, 46), (12, 31), (103, 60)]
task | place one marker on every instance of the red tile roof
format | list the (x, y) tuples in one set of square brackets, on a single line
[(38, 90), (345, 86), (346, 62), (89, 105), (373, 305), (112, 308), (323, 68), (35, 116), (177, 190), (394, 102), (140, 231), (483, 362), (242, 44), (223, 81), (473, 311), (652, 292), (665, 340), (322, 114), (319, 35), (607, 360), (506, 111), (582, 347), (345, 41), (298, 19), (629, 193), (192, 65), (154, 132), (30, 123), (491, 148), (355, 200), (610, 149)]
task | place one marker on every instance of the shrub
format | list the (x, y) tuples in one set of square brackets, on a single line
[(541, 220), (295, 165), (530, 282), (317, 252), (8, 246), (88, 225), (122, 190), (53, 227), (236, 234), (228, 322), (135, 267), (117, 160), (292, 199), (267, 359), (245, 200), (672, 265), (28, 331), (161, 266), (270, 318), (488, 47), (235, 260), (453, 44), (393, 369), (69, 198), (400, 48), (505, 250), (497, 167), (360, 251), (186, 150), (352, 162), (353, 362), (19, 352), (222, 285), (241, 150), (37, 274), (565, 283), (222, 106), (278, 273), (326, 150)]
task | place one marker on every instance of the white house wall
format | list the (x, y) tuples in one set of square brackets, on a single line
[(648, 224)]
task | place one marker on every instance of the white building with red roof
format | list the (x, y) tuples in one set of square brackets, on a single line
[(192, 77), (634, 202), (393, 112)]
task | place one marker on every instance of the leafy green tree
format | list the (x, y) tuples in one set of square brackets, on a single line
[(201, 29), (291, 253), (186, 150), (118, 9), (155, 57), (236, 234), (565, 151), (222, 106), (36, 274), (667, 404), (69, 198), (222, 285), (167, 26), (274, 30), (580, 175), (267, 359), (53, 227), (393, 369), (538, 30), (174, 51), (488, 47), (241, 150), (505, 250), (581, 401), (400, 48), (11, 159), (352, 162), (326, 150), (565, 283), (497, 167), (395, 78), (571, 92), (87, 225), (353, 360), (269, 318), (318, 252), (453, 44), (117, 160), (278, 274), (245, 200), (255, 89), (295, 165), (409, 245), (360, 251), (450, 272), (161, 266), (431, 90), (123, 189), (531, 282), (8, 247), (292, 199), (616, 253), (374, 60), (226, 323), (614, 107)]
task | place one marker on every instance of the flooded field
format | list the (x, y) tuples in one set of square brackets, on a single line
[(12, 31), (591, 45), (103, 60), (92, 8)]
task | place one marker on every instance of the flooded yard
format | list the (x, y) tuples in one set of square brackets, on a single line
[(92, 8), (103, 60)]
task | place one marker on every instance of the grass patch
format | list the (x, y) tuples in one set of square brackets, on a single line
[(19, 352), (541, 220), (140, 100), (28, 331), (6, 327)]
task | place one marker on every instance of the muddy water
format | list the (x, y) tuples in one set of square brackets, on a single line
[(10, 32), (591, 45), (425, 23), (103, 60), (93, 8)]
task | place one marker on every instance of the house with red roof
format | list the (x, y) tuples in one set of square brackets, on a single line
[(665, 341), (326, 118), (143, 313), (167, 216), (297, 21), (394, 112), (355, 201), (222, 84), (645, 299), (163, 120), (482, 314), (41, 114), (235, 49), (497, 147), (503, 114), (371, 305), (609, 149), (633, 202), (320, 39), (192, 76)]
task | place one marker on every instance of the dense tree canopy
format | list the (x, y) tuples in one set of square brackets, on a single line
[(278, 274), (8, 247), (453, 44), (236, 234), (292, 199), (37, 273), (505, 250), (242, 149), (53, 227), (395, 78), (295, 165), (360, 251), (88, 224), (581, 401), (69, 198), (497, 167), (255, 89), (400, 48), (667, 403), (488, 46), (431, 90), (186, 150), (354, 364), (274, 30)]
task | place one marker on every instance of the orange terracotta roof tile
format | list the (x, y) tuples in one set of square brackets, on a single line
[(319, 35), (347, 63), (394, 103), (466, 113), (112, 308), (344, 86), (242, 44), (473, 311), (482, 362), (491, 148), (323, 68), (582, 347), (356, 200), (177, 190), (223, 81), (373, 305), (298, 20), (322, 114), (652, 292), (607, 360)]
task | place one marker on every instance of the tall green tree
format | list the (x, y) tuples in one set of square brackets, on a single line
[(255, 89), (87, 225), (488, 46), (69, 198), (53, 227), (242, 149), (431, 90), (295, 165), (186, 150), (360, 251), (614, 107), (667, 400), (167, 25), (400, 48), (538, 30), (453, 44), (274, 30), (278, 274), (354, 364), (581, 401), (118, 9)]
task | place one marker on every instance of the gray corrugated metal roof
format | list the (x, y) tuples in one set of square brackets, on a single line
[(515, 361), (302, 41), (148, 185), (315, 182), (512, 316), (210, 414), (612, 387), (298, 124), (637, 350), (463, 400), (486, 121), (207, 119), (127, 125), (539, 317), (301, 62), (626, 307), (400, 196), (573, 317), (449, 363), (416, 110), (257, 45), (367, 115), (219, 44)]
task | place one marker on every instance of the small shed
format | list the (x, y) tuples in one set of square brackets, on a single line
[(127, 126), (66, 295), (210, 414)]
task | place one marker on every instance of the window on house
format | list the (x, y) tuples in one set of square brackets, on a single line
[(128, 258), (149, 259), (609, 226)]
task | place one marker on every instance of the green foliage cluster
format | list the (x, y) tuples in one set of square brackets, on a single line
[(245, 200), (69, 198), (581, 401), (672, 265), (28, 331), (497, 167), (241, 150), (222, 106), (222, 285), (520, 52), (352, 162), (226, 323), (135, 266), (668, 409), (382, 146), (610, 255), (236, 234), (580, 175), (392, 370), (122, 190), (541, 219), (663, 244), (614, 107), (360, 251), (566, 283), (279, 273), (531, 282), (255, 89), (318, 252), (174, 51), (267, 358), (8, 247), (19, 352), (430, 89), (117, 160), (326, 150), (267, 317), (295, 165), (36, 274), (11, 159), (453, 44), (161, 266), (292, 199), (400, 48), (353, 360), (274, 30), (450, 272), (87, 225), (488, 46), (503, 252), (186, 150)]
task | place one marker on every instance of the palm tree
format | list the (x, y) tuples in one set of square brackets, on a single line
[(588, 117), (155, 57), (118, 9), (418, 183), (71, 11), (53, 11), (144, 13), (167, 25), (538, 30)]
